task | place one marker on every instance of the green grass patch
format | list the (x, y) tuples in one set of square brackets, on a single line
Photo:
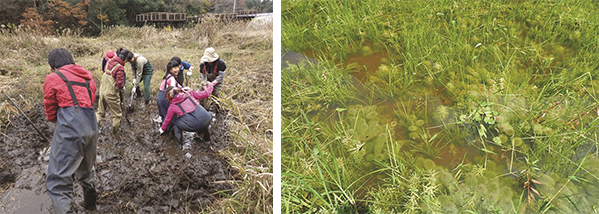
[(487, 106)]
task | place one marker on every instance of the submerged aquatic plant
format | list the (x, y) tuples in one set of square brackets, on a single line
[(499, 71), (529, 182)]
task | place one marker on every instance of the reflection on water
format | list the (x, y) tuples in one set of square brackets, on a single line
[(25, 201), (291, 57), (29, 193), (359, 66)]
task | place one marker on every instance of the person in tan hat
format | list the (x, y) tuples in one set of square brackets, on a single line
[(212, 68)]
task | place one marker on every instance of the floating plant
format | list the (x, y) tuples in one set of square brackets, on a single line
[(484, 84)]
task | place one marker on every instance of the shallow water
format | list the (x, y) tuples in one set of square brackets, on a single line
[(25, 201), (499, 168), (360, 66)]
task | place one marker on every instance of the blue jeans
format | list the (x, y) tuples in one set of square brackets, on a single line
[(162, 104)]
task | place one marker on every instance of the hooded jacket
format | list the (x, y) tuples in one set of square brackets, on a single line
[(109, 55), (118, 73), (188, 105), (56, 92)]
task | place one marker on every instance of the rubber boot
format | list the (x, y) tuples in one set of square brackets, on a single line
[(205, 134), (137, 91), (89, 199)]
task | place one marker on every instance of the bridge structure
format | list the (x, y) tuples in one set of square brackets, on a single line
[(162, 19)]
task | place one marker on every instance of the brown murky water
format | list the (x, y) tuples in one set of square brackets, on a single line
[(451, 152), (137, 170), (362, 66)]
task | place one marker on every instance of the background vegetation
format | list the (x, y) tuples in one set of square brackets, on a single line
[(92, 16), (510, 84)]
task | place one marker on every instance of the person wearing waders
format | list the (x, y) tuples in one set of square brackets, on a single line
[(168, 80), (109, 54), (111, 88), (185, 112), (212, 68), (183, 65), (69, 94), (142, 72)]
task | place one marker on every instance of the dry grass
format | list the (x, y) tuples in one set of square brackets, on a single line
[(246, 93)]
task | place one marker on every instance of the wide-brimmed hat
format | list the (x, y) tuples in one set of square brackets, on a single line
[(210, 55)]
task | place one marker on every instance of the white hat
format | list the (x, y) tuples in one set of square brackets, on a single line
[(209, 55)]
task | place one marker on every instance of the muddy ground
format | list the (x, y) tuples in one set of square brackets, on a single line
[(137, 171)]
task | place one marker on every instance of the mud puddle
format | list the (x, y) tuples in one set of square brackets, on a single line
[(137, 170)]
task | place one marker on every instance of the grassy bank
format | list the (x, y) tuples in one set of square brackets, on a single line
[(246, 95), (437, 106)]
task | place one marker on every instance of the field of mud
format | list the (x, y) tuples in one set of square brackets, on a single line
[(137, 170)]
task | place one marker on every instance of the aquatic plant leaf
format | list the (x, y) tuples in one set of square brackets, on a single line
[(535, 191), (545, 205), (488, 151), (497, 140), (488, 110), (489, 120), (477, 117), (572, 202), (482, 131), (574, 178), (433, 137)]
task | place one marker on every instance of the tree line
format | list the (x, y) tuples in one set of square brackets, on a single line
[(92, 16)]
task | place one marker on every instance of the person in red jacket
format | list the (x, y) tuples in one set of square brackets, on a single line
[(111, 88), (69, 94)]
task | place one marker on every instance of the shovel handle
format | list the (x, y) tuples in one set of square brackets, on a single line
[(28, 120)]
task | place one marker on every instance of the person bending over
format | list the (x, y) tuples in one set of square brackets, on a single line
[(142, 72), (111, 88), (186, 113)]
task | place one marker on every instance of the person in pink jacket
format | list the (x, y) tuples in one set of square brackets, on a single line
[(186, 113), (168, 80)]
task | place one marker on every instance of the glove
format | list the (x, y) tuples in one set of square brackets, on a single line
[(189, 73), (133, 91), (134, 81), (190, 68), (214, 82), (220, 76), (161, 131)]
